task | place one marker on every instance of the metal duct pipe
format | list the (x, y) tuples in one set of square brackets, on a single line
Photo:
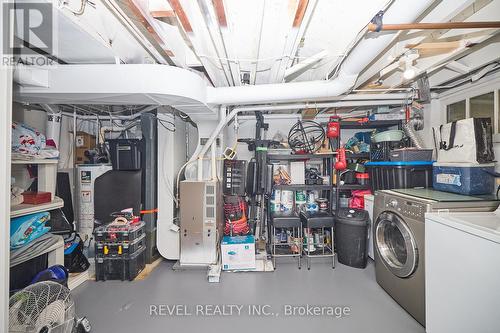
[(363, 53), (410, 131)]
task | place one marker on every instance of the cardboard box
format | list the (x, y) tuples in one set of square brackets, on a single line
[(84, 141), (238, 253)]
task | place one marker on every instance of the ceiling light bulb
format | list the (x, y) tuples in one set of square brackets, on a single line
[(409, 73)]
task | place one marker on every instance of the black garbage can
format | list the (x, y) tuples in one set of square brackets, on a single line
[(351, 234)]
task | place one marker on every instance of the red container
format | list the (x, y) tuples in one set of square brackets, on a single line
[(36, 198), (363, 178)]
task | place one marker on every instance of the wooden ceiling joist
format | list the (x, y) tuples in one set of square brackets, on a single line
[(299, 14), (181, 15), (219, 10), (162, 13), (143, 24)]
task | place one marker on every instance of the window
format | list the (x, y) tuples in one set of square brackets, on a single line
[(483, 106), (455, 111), (486, 105)]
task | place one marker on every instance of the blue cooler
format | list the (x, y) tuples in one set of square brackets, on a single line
[(463, 178)]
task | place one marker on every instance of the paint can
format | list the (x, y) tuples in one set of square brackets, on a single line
[(322, 204), (300, 199)]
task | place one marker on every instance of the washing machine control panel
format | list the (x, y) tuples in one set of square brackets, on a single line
[(406, 208)]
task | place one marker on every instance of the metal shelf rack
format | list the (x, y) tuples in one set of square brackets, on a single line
[(355, 156), (296, 227)]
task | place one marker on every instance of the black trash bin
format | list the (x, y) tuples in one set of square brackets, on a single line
[(351, 234)]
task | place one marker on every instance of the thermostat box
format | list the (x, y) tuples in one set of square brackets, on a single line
[(238, 253)]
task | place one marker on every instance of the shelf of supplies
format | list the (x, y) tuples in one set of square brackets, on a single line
[(358, 155), (369, 124), (298, 187), (353, 187), (279, 157), (35, 161), (25, 209)]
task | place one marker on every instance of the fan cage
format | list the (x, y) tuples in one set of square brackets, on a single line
[(42, 307)]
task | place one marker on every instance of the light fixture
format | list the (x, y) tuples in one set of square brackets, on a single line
[(409, 70)]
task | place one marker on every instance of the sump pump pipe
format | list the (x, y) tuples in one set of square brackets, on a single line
[(362, 54)]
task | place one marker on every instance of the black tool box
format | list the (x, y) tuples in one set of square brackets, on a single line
[(119, 233), (124, 267), (113, 249)]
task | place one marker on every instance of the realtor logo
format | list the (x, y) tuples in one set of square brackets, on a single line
[(28, 31)]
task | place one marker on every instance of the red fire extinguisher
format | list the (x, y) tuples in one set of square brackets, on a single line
[(333, 127), (341, 163)]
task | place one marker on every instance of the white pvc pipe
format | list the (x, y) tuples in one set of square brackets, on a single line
[(362, 54), (214, 161)]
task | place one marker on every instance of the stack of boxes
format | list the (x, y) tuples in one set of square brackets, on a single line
[(120, 251)]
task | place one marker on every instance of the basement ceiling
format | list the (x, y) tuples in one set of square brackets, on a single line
[(235, 42)]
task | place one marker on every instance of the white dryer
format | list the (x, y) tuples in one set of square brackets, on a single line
[(462, 272)]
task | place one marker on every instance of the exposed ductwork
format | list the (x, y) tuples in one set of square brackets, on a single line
[(360, 56), (163, 85)]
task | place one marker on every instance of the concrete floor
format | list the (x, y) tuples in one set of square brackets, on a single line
[(115, 306)]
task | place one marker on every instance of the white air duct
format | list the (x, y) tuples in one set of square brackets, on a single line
[(362, 54)]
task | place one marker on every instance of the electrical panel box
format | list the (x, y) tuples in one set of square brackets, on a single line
[(235, 177), (201, 222)]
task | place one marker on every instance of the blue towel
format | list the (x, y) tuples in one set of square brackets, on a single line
[(25, 229)]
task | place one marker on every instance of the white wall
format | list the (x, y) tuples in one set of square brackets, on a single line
[(5, 146), (483, 86)]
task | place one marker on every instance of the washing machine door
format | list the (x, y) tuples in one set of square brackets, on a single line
[(396, 244)]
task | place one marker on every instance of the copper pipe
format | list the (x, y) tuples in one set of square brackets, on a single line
[(299, 14), (435, 26)]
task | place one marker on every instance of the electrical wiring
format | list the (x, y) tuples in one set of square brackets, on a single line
[(162, 123), (81, 10)]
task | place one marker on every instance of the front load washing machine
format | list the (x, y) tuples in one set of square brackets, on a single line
[(399, 241)]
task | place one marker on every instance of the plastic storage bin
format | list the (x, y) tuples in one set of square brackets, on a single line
[(114, 249), (119, 233), (125, 153), (351, 236), (411, 154), (389, 175), (120, 268), (464, 178), (381, 151)]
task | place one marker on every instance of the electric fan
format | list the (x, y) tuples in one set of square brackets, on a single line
[(44, 307)]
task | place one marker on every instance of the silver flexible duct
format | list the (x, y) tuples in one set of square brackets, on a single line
[(410, 131)]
